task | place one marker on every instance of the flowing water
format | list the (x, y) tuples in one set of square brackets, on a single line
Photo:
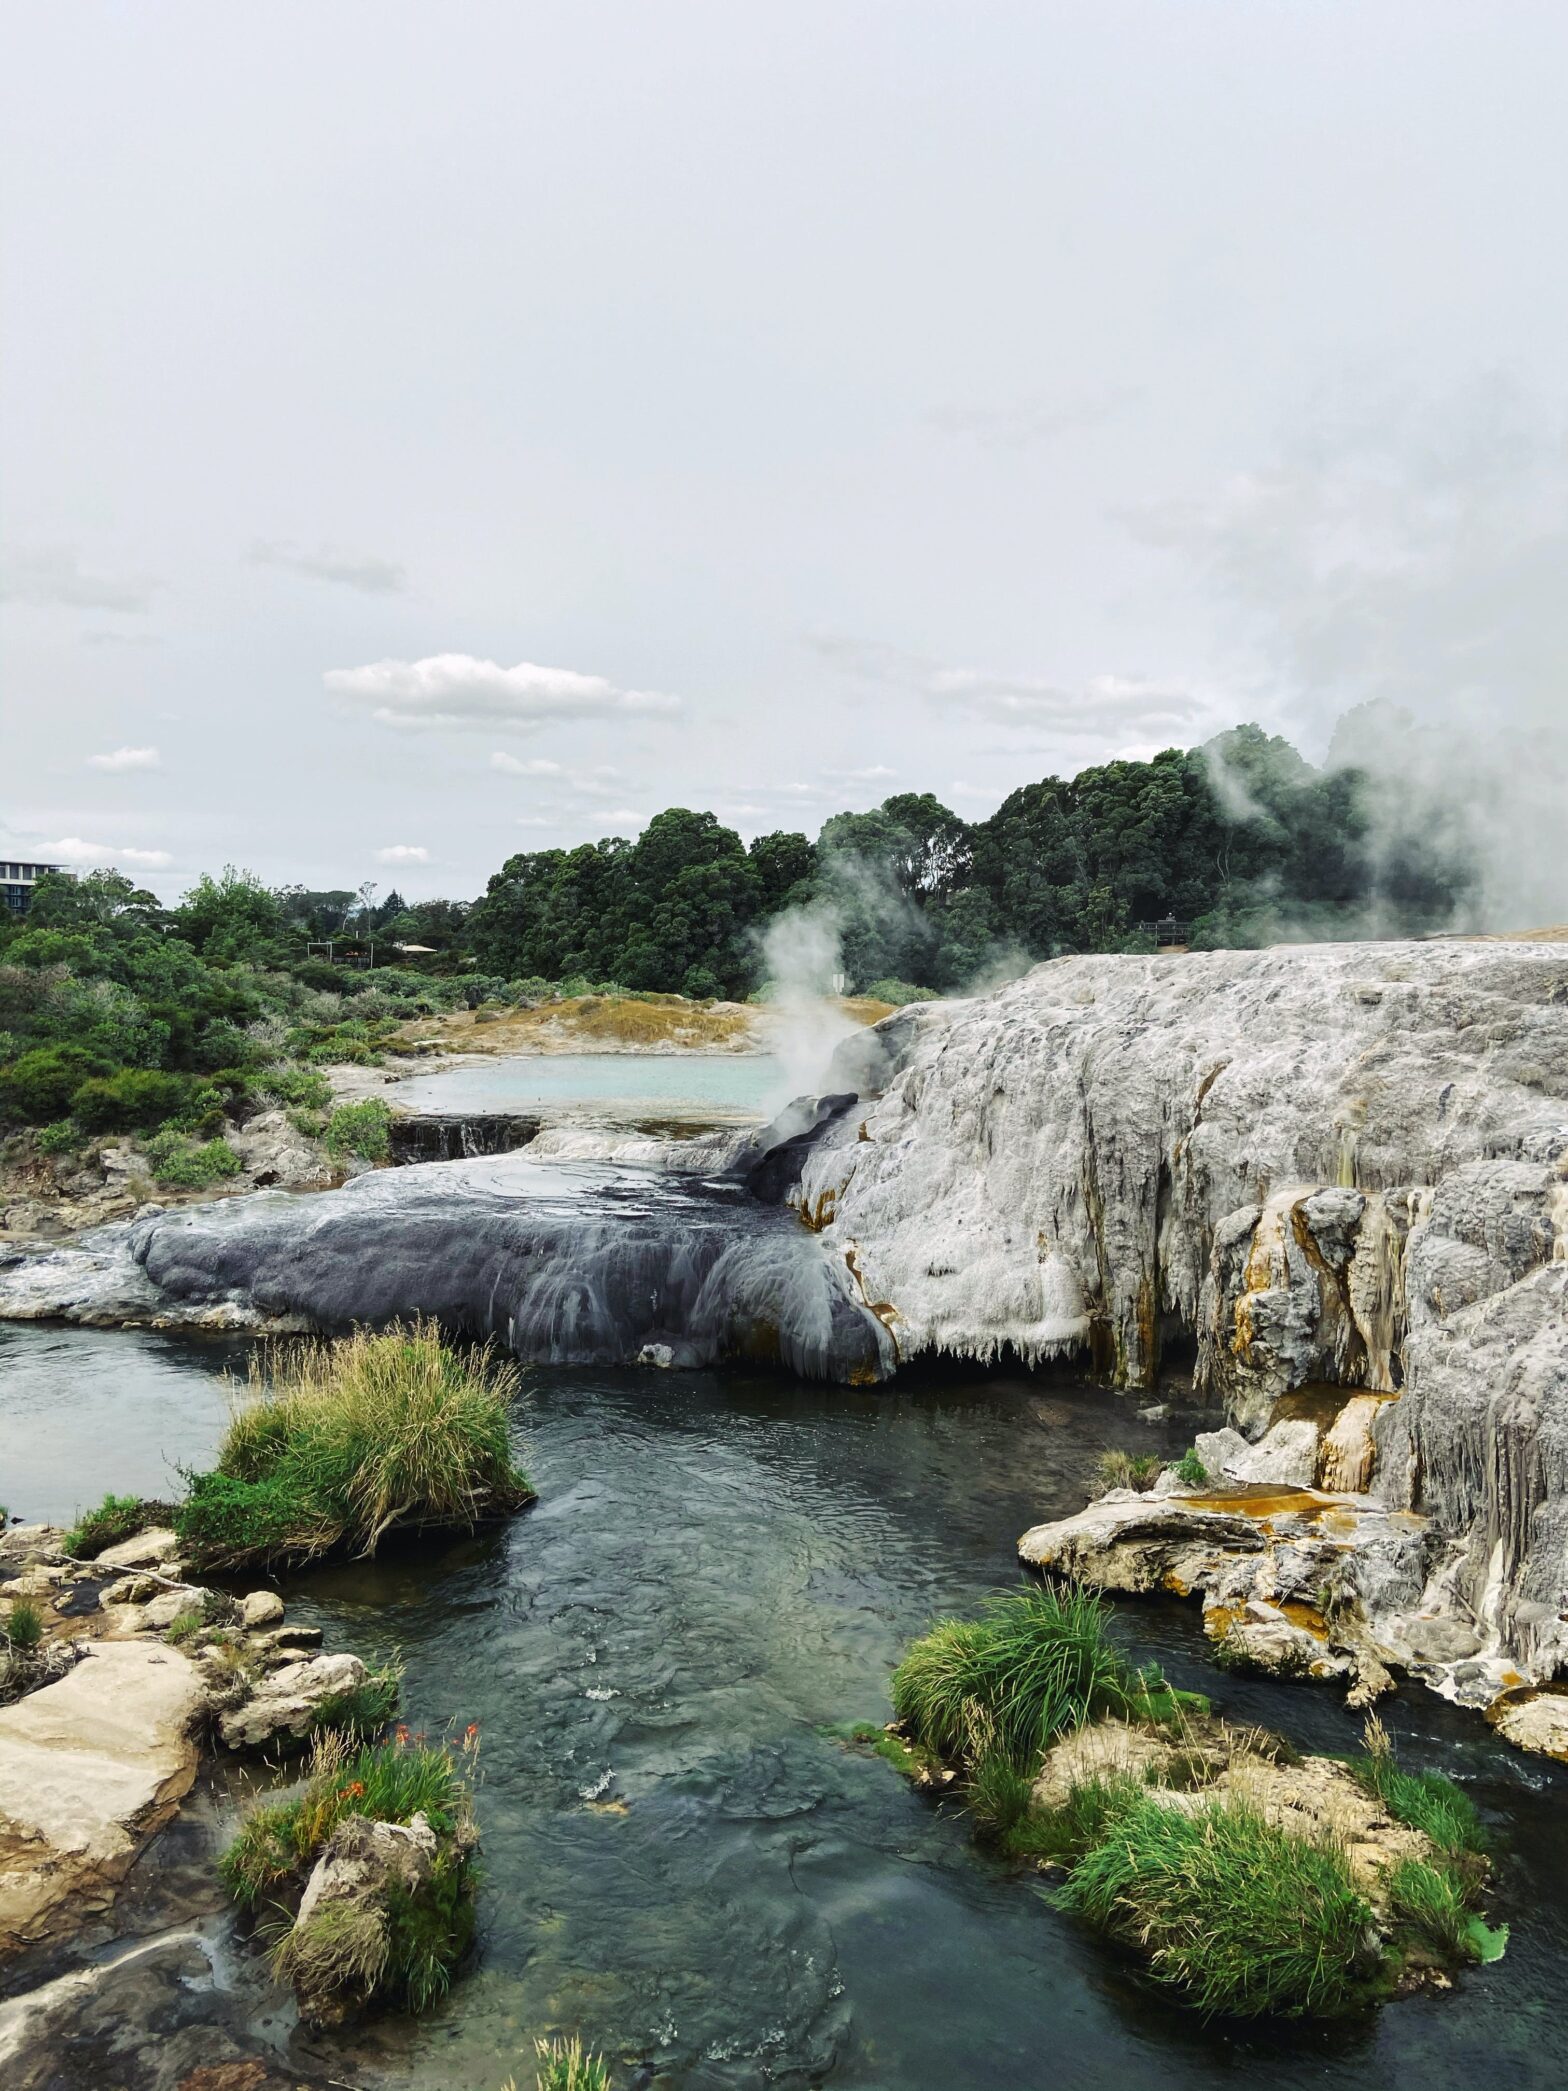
[(678, 1860)]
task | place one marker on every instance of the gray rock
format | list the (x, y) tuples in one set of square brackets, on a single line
[(286, 1706), (261, 1608)]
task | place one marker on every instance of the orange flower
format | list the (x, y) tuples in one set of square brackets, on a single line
[(471, 1731)]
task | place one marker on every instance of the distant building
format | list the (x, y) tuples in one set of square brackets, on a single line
[(17, 882)]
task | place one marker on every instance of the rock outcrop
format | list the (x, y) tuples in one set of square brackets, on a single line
[(90, 1767), (1330, 1182)]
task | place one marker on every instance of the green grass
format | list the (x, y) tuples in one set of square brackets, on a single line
[(1037, 1663), (1424, 1801), (348, 1441), (24, 1627), (364, 1711), (403, 1948), (116, 1519), (566, 2065), (1119, 1469), (892, 1749), (1432, 1903), (386, 1782), (1237, 1916)]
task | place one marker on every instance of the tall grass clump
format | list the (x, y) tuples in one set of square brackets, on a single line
[(566, 2065), (1037, 1663), (1239, 1916), (1424, 1801), (345, 1442)]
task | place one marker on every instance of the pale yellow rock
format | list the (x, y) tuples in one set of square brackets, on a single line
[(147, 1550), (89, 1768)]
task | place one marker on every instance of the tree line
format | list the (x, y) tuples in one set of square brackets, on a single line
[(1243, 840)]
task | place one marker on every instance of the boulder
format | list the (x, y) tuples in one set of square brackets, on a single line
[(1286, 1456), (89, 1768), (1533, 1720), (285, 1708), (261, 1608), (161, 1611), (336, 1954), (149, 1549)]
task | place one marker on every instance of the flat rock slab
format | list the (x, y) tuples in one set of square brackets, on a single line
[(89, 1768)]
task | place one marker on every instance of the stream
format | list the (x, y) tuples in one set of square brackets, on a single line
[(677, 1860)]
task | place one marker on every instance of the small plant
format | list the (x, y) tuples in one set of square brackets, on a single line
[(363, 1129), (24, 1628), (364, 1711), (1190, 1470), (63, 1137), (566, 2065), (1120, 1469), (116, 1519), (1238, 1915), (185, 1627)]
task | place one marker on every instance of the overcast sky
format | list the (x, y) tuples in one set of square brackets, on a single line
[(431, 431)]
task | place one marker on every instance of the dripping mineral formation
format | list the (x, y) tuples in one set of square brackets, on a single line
[(1328, 1184)]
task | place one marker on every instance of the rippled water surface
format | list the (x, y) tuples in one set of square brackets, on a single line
[(677, 1859)]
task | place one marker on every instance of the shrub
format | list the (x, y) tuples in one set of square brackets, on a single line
[(116, 1519), (181, 1163), (1238, 1915), (1190, 1470), (132, 1097), (24, 1627), (1037, 1663), (348, 1440), (38, 1087), (1119, 1469), (303, 1087), (63, 1137), (899, 993), (362, 1129)]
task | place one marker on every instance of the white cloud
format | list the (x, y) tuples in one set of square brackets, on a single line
[(1032, 421), (874, 773), (1128, 703), (403, 853), (127, 759), (73, 850), (52, 576), (370, 575), (536, 766), (454, 690)]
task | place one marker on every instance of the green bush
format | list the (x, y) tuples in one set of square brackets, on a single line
[(1039, 1662), (24, 1627), (899, 992), (116, 1519), (37, 1088), (134, 1097), (362, 1129), (304, 1087), (182, 1163), (1190, 1470), (1234, 1913), (63, 1137), (346, 1441)]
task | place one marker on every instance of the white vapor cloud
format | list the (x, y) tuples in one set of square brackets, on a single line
[(74, 850), (371, 576), (456, 691), (127, 759), (403, 853), (52, 576), (1032, 421)]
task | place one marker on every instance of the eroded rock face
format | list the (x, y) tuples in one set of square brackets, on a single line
[(337, 1950), (287, 1704), (1331, 1167)]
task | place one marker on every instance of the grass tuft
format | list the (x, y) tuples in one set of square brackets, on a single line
[(1240, 1917), (1119, 1469), (566, 2065), (23, 1628), (1424, 1801), (1037, 1663), (347, 1441), (116, 1519), (1432, 1903)]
